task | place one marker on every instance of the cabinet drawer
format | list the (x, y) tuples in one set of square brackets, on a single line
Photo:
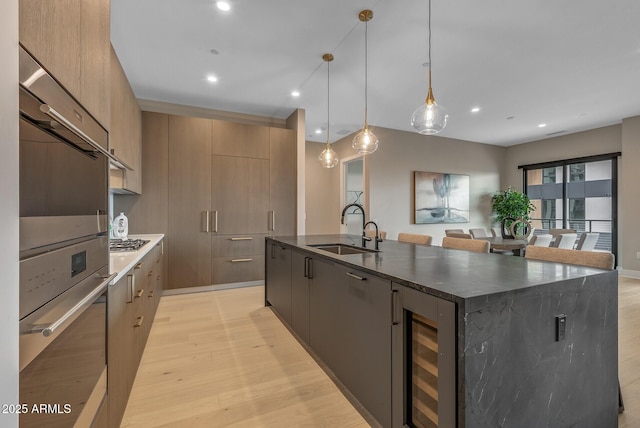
[(237, 269), (238, 245)]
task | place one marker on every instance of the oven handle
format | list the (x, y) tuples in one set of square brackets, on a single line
[(52, 113), (48, 329)]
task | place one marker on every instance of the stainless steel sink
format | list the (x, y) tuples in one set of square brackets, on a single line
[(342, 249)]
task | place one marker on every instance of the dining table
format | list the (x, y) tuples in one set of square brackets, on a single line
[(517, 246)]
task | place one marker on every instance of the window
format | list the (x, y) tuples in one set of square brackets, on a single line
[(575, 194)]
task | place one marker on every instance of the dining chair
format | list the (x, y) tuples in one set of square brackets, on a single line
[(460, 235), (414, 238), (496, 232), (478, 233), (542, 240), (448, 231), (475, 245), (587, 241), (594, 259), (565, 240), (556, 232), (370, 233)]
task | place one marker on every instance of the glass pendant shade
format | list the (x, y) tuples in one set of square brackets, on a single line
[(430, 118), (365, 141), (328, 158)]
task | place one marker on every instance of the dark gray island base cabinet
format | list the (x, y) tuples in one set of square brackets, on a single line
[(426, 336)]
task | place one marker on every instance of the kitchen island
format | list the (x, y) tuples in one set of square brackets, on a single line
[(513, 342)]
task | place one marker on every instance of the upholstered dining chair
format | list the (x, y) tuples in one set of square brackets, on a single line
[(476, 245), (565, 240), (478, 233), (542, 240), (594, 259), (556, 232), (414, 238), (448, 231), (371, 233), (460, 235), (587, 241), (496, 232)]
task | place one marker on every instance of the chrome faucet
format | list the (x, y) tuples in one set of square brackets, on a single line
[(361, 208), (377, 238)]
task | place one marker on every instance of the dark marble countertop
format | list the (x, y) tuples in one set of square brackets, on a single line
[(453, 275)]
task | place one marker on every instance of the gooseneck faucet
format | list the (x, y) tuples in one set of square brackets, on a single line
[(361, 208), (378, 239)]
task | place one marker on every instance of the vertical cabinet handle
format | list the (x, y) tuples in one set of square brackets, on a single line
[(131, 287), (272, 220), (273, 251), (204, 221), (394, 306), (215, 221), (309, 268), (306, 267), (139, 321)]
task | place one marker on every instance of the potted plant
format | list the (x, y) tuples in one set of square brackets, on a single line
[(511, 210)]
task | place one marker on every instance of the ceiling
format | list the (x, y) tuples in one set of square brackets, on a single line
[(570, 64)]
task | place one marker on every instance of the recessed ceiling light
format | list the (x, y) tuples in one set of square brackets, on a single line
[(318, 131), (214, 51), (295, 94), (211, 78), (223, 5), (475, 109), (542, 125)]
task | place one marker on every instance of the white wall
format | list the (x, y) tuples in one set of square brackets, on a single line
[(9, 208)]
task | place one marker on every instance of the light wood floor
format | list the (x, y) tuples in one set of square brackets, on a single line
[(222, 359)]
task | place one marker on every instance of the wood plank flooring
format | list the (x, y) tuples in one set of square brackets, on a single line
[(222, 359)]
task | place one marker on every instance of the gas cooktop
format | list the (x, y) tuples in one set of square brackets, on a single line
[(126, 244)]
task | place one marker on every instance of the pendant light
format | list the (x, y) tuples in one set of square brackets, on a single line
[(430, 118), (365, 141), (328, 158)]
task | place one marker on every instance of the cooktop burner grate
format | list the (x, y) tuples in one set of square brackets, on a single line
[(126, 244)]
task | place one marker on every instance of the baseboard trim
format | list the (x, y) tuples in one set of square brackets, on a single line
[(629, 273), (216, 287)]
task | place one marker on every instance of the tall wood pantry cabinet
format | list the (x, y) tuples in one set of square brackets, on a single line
[(230, 186)]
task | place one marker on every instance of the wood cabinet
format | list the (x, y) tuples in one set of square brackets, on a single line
[(392, 347), (132, 303), (282, 177), (222, 179), (301, 276), (189, 201), (125, 131), (278, 259), (71, 39)]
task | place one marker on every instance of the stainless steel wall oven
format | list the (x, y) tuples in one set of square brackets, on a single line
[(64, 254)]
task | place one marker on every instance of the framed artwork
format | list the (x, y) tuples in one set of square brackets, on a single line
[(440, 197)]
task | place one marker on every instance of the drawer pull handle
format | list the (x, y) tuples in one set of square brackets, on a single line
[(240, 260), (140, 292), (150, 293), (359, 278), (139, 321), (138, 266), (243, 238)]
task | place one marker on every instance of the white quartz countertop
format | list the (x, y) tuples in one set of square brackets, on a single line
[(123, 261)]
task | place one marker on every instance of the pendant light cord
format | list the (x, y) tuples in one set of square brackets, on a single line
[(366, 76), (328, 62), (429, 38)]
